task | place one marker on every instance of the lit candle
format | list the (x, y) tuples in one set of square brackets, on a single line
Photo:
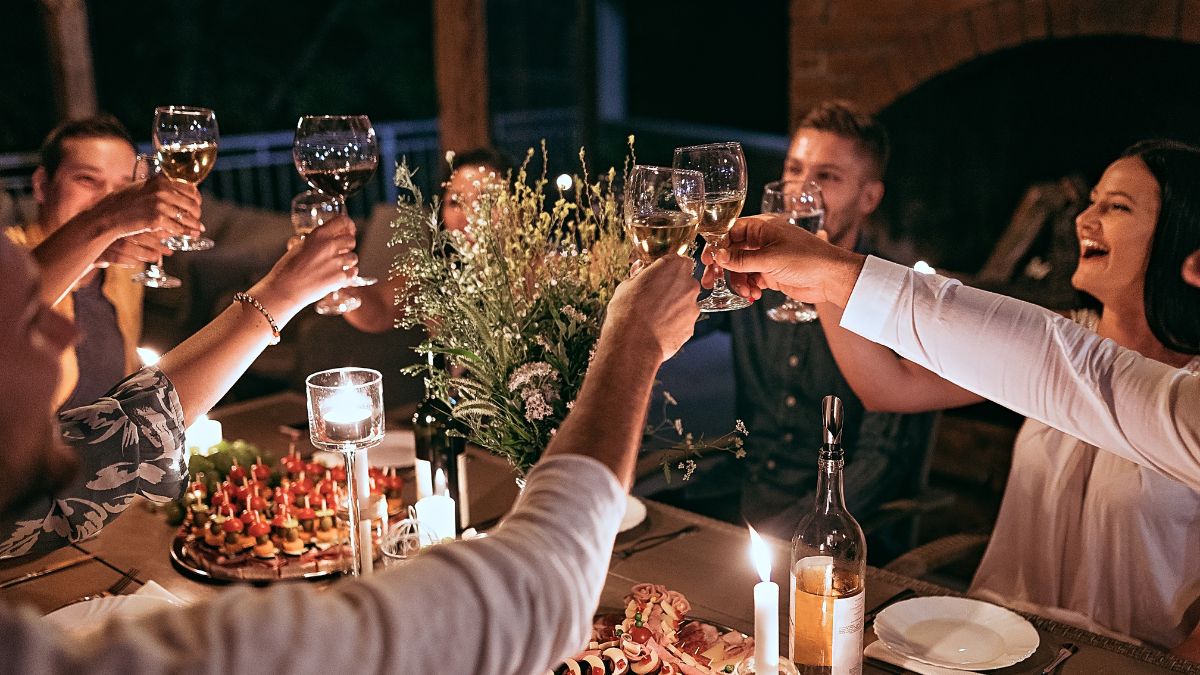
[(766, 610), (436, 512), (202, 435), (346, 416)]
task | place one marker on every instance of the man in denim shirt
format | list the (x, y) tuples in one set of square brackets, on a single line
[(782, 371)]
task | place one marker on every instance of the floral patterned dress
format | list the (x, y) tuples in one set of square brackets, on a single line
[(129, 442)]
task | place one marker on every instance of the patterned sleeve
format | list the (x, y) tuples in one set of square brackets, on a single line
[(129, 442)]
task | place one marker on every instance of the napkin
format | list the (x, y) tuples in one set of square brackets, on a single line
[(878, 650), (154, 590)]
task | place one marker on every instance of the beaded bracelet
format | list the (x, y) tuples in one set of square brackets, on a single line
[(250, 300)]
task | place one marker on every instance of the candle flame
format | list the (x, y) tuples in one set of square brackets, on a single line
[(760, 555), (439, 483)]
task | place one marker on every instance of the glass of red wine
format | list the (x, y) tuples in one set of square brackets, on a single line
[(337, 155)]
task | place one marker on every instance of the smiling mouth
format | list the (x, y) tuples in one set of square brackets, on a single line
[(1090, 249)]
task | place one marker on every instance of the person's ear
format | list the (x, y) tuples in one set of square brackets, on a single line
[(40, 181), (870, 197), (1191, 269)]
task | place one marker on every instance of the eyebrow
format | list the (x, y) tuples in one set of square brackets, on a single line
[(1118, 193)]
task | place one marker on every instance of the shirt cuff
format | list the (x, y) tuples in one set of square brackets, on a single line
[(571, 473), (874, 297)]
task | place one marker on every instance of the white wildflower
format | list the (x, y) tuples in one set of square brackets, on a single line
[(740, 453), (740, 427), (669, 398), (574, 314), (689, 467), (679, 426), (528, 373), (536, 407)]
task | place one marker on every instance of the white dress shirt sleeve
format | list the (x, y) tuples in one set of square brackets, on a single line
[(514, 602), (1035, 362)]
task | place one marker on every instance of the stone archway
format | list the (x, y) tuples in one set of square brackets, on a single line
[(874, 51)]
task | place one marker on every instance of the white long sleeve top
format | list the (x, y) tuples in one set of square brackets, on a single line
[(1100, 523), (515, 602)]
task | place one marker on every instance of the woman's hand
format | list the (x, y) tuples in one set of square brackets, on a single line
[(319, 264)]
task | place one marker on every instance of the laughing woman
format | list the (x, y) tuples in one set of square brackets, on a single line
[(1084, 535)]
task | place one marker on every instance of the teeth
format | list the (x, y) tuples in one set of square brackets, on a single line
[(1092, 246)]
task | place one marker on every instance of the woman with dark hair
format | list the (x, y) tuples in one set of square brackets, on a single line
[(1100, 534), (1172, 303)]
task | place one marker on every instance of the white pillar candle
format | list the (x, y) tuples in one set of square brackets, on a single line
[(424, 478), (436, 512), (766, 610), (202, 435)]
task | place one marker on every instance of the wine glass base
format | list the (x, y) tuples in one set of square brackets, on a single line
[(723, 303), (359, 282), (150, 279), (793, 313), (188, 243), (340, 305)]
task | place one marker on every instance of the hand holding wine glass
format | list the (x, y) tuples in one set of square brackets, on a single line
[(186, 140), (804, 206), (337, 155), (311, 210), (146, 167), (724, 169), (662, 210)]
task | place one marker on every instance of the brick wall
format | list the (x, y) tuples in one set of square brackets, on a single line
[(873, 51)]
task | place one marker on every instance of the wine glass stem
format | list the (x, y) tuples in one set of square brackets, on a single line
[(354, 511)]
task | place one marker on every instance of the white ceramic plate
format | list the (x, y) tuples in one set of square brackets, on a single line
[(956, 633), (398, 449), (84, 617), (635, 513)]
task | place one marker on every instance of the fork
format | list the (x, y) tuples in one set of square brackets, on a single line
[(653, 540), (116, 588)]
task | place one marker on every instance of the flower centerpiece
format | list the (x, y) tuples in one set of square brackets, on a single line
[(515, 302)]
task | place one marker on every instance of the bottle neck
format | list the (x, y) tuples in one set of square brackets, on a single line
[(830, 497)]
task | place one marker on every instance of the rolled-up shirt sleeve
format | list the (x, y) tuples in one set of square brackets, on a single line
[(129, 442), (1037, 363), (514, 602)]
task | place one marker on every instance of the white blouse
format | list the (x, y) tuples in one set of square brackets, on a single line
[(1108, 541)]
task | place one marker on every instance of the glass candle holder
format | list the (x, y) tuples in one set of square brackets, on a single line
[(345, 414)]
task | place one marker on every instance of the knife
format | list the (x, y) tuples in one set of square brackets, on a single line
[(56, 567)]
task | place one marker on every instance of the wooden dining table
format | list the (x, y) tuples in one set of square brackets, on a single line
[(704, 559)]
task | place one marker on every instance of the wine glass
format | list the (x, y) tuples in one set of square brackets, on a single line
[(186, 140), (805, 207), (145, 167), (724, 169), (662, 210), (312, 209), (337, 154)]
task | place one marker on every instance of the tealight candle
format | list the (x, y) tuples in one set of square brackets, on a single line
[(766, 610), (202, 435), (346, 416), (436, 512)]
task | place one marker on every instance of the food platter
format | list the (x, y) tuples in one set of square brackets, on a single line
[(199, 561), (654, 635)]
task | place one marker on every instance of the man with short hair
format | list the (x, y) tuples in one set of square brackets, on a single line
[(79, 232), (783, 370)]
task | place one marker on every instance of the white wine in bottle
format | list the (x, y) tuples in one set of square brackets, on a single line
[(829, 568)]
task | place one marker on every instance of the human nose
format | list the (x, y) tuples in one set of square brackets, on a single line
[(1087, 218)]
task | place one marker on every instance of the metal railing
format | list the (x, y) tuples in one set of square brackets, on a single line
[(256, 170)]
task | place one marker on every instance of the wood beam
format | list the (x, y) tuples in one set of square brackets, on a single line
[(460, 62), (70, 50)]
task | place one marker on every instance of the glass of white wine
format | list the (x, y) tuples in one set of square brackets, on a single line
[(805, 208), (312, 209), (662, 210), (186, 140), (146, 167), (337, 154), (724, 169)]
